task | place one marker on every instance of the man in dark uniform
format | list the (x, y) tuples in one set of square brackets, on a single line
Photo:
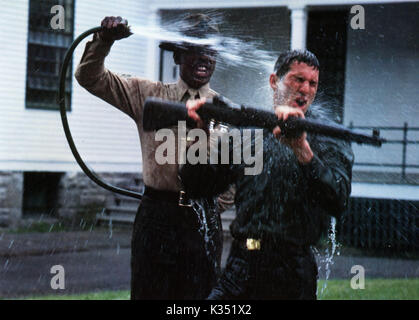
[(176, 245), (284, 210)]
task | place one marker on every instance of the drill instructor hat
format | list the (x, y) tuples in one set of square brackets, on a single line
[(195, 25)]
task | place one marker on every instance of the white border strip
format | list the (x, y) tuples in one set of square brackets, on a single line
[(385, 191), (163, 5)]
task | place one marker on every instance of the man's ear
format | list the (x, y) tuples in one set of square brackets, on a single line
[(273, 79)]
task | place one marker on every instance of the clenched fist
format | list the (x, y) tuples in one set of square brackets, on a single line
[(114, 28), (299, 145)]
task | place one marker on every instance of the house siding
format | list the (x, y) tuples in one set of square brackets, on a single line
[(34, 139)]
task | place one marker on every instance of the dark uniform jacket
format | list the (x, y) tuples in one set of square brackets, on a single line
[(287, 202)]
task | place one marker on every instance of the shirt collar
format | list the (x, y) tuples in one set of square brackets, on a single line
[(183, 87)]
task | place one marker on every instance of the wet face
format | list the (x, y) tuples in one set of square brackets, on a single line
[(196, 67), (297, 88)]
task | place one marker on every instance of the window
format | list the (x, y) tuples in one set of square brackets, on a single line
[(40, 193), (46, 50)]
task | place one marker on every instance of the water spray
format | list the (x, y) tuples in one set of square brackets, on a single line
[(244, 52), (236, 52)]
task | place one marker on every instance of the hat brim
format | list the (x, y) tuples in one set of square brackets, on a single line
[(182, 46), (173, 46)]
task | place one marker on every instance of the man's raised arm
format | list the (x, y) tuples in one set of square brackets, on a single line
[(92, 75)]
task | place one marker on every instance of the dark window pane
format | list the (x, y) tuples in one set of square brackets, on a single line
[(46, 50)]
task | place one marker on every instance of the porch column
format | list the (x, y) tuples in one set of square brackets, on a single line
[(298, 27)]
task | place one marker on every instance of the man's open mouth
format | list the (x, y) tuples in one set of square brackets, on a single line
[(201, 71), (300, 101)]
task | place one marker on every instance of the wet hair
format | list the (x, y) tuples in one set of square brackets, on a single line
[(285, 59)]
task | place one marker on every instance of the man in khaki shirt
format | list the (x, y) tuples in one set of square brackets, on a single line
[(176, 248)]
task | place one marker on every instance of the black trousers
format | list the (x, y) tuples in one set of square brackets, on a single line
[(273, 273), (175, 251)]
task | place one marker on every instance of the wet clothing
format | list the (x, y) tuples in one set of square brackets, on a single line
[(176, 251), (287, 207), (272, 273)]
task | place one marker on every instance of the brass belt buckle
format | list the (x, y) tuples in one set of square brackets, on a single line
[(182, 199), (253, 244)]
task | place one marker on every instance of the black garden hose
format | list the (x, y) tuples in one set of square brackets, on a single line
[(63, 112)]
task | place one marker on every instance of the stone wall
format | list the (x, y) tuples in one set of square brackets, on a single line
[(79, 198), (11, 194)]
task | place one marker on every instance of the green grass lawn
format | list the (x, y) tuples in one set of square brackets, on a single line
[(104, 295), (375, 289)]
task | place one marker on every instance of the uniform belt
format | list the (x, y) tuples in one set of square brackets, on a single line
[(251, 244), (168, 196)]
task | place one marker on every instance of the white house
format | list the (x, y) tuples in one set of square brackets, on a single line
[(370, 73)]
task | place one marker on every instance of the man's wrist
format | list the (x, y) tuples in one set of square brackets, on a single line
[(98, 47), (304, 155), (98, 37), (305, 159)]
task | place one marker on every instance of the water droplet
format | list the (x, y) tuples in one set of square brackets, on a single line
[(110, 228), (328, 259)]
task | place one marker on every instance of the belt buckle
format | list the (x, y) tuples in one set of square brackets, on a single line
[(182, 199), (253, 244)]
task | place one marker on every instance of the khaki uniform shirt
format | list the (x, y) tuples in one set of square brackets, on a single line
[(128, 94)]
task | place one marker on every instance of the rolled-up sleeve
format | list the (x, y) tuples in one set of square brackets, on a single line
[(122, 92)]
